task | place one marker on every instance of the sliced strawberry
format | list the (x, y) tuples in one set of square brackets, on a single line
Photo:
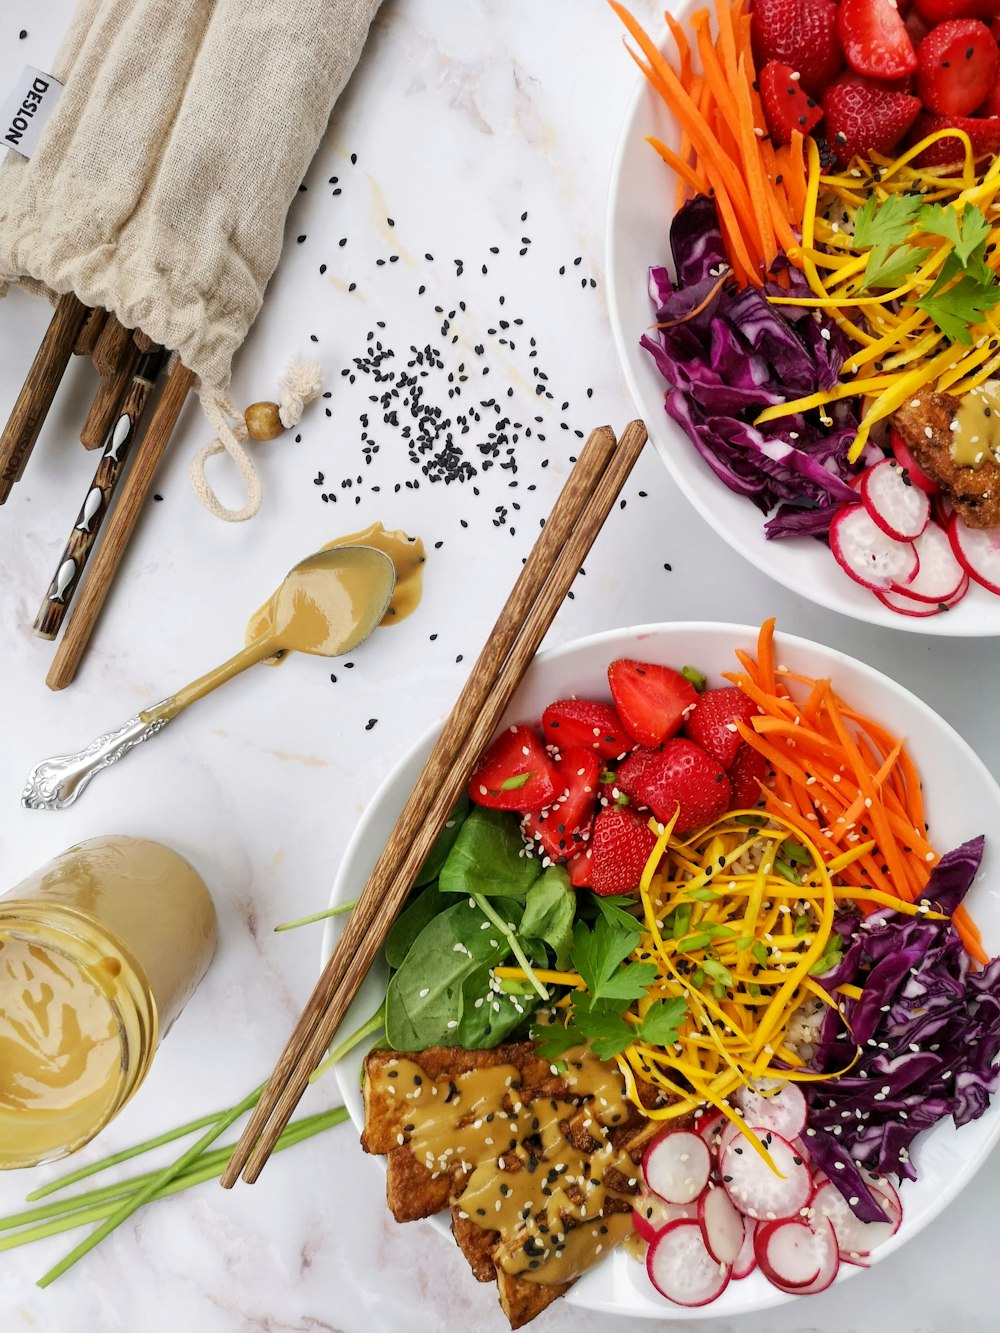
[(580, 867), (787, 106), (515, 773), (652, 700), (957, 67), (595, 726), (712, 725), (940, 11), (558, 825), (875, 39), (991, 106), (619, 849), (681, 774), (747, 771), (801, 34), (863, 117), (984, 135)]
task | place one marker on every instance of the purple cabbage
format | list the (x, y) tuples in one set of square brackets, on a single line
[(727, 354), (928, 1029)]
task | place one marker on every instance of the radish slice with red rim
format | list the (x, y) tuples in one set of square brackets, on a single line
[(721, 1225), (754, 1188), (709, 1126), (746, 1260), (681, 1268), (797, 1258), (905, 605), (978, 551), (677, 1165), (775, 1103), (896, 505), (651, 1214), (855, 1239), (940, 574), (910, 465), (870, 556)]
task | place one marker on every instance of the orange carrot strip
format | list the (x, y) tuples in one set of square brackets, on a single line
[(968, 933), (760, 194), (676, 163), (679, 34), (765, 655), (794, 172)]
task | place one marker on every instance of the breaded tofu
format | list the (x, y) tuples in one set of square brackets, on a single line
[(926, 427)]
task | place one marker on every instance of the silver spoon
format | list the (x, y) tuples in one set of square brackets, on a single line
[(327, 605)]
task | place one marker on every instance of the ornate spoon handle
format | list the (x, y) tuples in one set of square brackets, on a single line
[(55, 783)]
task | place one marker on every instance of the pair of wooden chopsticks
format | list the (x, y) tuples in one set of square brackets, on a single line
[(128, 364), (565, 540)]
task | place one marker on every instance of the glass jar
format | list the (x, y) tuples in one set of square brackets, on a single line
[(100, 950)]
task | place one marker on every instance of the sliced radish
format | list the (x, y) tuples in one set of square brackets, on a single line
[(855, 1239), (913, 606), (885, 1193), (870, 556), (651, 1214), (746, 1260), (721, 1225), (906, 460), (897, 506), (775, 1103), (797, 1258), (754, 1188), (709, 1125), (677, 1165), (725, 1135), (940, 575), (978, 551), (681, 1268)]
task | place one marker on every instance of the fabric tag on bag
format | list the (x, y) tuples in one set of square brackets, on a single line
[(24, 114)]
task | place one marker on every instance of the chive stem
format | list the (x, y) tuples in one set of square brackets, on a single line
[(367, 1029), (339, 910), (511, 938)]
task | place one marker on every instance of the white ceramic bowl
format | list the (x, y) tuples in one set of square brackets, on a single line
[(640, 206), (964, 802)]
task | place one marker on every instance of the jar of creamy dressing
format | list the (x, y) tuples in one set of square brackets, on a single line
[(99, 952)]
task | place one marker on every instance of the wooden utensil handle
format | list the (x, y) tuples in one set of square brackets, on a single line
[(132, 496), (39, 389)]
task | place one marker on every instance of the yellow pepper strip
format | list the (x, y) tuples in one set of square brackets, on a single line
[(545, 975)]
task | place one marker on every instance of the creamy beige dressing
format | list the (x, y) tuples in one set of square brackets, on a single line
[(408, 557), (975, 436), (547, 1199)]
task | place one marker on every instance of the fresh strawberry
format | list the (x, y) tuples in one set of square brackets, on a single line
[(747, 771), (515, 773), (801, 34), (787, 106), (991, 106), (557, 825), (619, 849), (681, 774), (863, 117), (580, 867), (595, 726), (652, 700), (875, 39), (712, 725), (984, 135), (957, 67), (917, 28), (940, 11)]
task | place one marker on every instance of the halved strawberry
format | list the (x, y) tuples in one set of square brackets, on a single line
[(681, 775), (984, 135), (557, 826), (619, 849), (991, 105), (596, 726), (940, 11), (787, 106), (875, 40), (652, 700), (712, 725), (863, 117), (801, 34), (747, 771), (515, 773), (580, 867), (957, 67)]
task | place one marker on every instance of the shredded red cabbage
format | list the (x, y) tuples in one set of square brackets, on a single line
[(738, 354), (928, 1029)]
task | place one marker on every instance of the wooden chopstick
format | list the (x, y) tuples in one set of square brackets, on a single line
[(86, 339), (97, 501), (118, 531), (38, 390), (111, 391), (110, 346), (561, 549)]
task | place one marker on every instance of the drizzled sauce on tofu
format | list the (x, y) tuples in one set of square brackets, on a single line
[(547, 1197), (975, 433)]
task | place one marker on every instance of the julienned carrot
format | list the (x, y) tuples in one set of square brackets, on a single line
[(675, 162)]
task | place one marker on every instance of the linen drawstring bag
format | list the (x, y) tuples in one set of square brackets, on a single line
[(161, 182)]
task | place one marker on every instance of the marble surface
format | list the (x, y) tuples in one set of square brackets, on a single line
[(485, 131)]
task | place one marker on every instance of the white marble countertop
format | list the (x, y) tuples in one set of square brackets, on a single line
[(485, 131)]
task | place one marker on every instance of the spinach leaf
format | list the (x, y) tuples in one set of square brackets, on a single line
[(548, 913), (443, 843), (441, 995), (488, 857), (411, 921)]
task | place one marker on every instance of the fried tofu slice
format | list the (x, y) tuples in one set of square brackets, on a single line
[(926, 427)]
